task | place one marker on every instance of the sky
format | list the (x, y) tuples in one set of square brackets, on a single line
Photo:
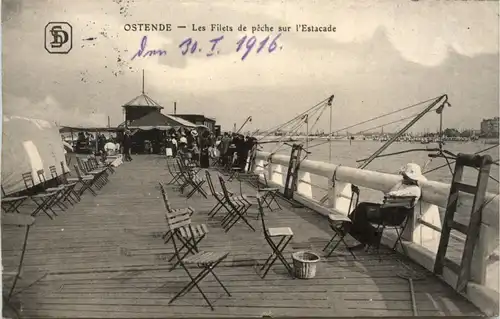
[(384, 55)]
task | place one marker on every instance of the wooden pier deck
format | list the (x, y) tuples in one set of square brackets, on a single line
[(104, 258)]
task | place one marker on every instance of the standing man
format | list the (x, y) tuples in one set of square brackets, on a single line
[(224, 149), (127, 146)]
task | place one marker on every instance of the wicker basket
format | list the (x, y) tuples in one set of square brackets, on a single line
[(304, 264)]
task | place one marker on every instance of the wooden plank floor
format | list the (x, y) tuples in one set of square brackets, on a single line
[(104, 258)]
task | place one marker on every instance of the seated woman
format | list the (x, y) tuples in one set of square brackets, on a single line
[(110, 148), (367, 213)]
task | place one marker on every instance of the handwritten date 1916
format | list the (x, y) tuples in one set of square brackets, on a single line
[(190, 46), (245, 44)]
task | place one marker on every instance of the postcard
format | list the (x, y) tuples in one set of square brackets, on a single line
[(234, 158)]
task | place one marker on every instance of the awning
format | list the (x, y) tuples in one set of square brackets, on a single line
[(149, 128)]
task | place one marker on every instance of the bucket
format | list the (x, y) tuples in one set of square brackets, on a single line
[(304, 264)]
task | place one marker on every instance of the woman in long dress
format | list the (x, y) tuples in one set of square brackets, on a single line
[(168, 147), (204, 154)]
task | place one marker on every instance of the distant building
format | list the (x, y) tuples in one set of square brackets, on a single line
[(490, 127), (139, 107), (143, 117), (198, 119)]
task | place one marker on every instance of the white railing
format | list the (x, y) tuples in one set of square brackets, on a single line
[(422, 234)]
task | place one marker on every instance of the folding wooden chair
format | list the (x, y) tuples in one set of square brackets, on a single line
[(208, 261), (175, 173), (99, 179), (60, 190), (42, 200), (234, 172), (283, 236), (69, 180), (107, 166), (183, 180), (238, 208), (191, 178), (270, 195), (180, 228), (341, 224), (219, 196), (11, 204), (87, 182), (101, 174), (394, 214), (168, 235), (217, 163), (69, 193)]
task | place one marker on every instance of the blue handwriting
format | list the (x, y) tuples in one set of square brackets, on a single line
[(142, 52), (189, 46)]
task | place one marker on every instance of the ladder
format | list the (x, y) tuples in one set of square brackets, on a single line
[(293, 169), (483, 165)]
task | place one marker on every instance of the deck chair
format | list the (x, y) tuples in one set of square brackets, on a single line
[(341, 224), (190, 177), (268, 194), (183, 181), (69, 180), (87, 182), (283, 236), (234, 172), (86, 169), (394, 214), (69, 193), (181, 229), (42, 200), (168, 235), (100, 173), (208, 261), (176, 174), (16, 220), (108, 166), (219, 197), (60, 190), (238, 208), (11, 204)]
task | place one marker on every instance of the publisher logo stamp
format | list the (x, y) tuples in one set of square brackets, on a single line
[(58, 37)]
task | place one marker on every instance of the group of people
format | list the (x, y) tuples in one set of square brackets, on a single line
[(235, 149), (232, 149), (105, 146)]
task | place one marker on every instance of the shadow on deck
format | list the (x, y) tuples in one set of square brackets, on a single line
[(104, 258)]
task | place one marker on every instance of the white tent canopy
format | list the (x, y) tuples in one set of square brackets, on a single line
[(29, 145)]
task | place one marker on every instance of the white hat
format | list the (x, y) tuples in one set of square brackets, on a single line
[(412, 171), (194, 133)]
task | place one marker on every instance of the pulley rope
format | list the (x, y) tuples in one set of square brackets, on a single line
[(297, 123), (291, 133), (372, 128), (278, 127), (384, 115)]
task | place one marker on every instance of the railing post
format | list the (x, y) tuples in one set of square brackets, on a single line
[(292, 177), (290, 174)]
